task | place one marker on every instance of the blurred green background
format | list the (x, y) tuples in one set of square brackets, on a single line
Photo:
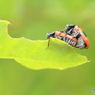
[(32, 19)]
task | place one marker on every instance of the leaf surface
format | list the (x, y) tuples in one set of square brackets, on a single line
[(37, 54)]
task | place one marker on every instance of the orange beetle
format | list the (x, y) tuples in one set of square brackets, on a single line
[(73, 35), (83, 35), (78, 33)]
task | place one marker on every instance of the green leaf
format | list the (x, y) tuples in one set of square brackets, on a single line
[(37, 54)]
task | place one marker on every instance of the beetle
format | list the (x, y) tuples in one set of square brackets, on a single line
[(78, 33), (64, 37), (73, 35)]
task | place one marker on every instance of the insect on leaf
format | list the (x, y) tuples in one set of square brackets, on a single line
[(36, 54)]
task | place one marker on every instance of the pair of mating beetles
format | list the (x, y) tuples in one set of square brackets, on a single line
[(72, 35)]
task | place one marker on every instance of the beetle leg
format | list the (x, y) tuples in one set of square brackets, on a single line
[(48, 41), (49, 35), (74, 33), (69, 32)]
